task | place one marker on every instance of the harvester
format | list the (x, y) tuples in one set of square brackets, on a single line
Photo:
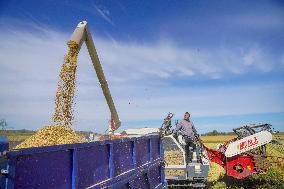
[(251, 152), (134, 160)]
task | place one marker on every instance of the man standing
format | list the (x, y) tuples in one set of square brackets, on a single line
[(187, 130)]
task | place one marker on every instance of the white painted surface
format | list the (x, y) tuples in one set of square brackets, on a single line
[(248, 143)]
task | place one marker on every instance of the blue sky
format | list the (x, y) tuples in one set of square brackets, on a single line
[(223, 61)]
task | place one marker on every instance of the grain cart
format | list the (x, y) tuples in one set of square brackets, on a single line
[(132, 162)]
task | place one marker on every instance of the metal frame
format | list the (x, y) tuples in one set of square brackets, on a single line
[(193, 170)]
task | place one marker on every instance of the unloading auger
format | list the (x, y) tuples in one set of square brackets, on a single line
[(80, 35)]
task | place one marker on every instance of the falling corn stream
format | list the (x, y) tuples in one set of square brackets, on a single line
[(60, 132), (63, 112)]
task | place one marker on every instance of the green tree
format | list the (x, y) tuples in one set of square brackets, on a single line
[(215, 132)]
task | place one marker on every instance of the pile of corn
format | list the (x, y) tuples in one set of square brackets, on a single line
[(52, 135), (60, 132), (176, 158), (173, 158)]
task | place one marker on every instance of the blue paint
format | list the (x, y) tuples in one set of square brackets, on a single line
[(4, 144), (162, 173), (134, 154), (74, 167), (150, 150), (110, 160)]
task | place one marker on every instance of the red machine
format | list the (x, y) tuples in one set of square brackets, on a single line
[(251, 152)]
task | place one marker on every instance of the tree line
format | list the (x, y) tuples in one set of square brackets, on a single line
[(215, 133)]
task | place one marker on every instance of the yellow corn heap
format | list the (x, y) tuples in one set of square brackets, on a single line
[(60, 132), (52, 135), (63, 113), (174, 158)]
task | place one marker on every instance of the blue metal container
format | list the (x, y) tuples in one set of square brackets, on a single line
[(4, 147), (4, 144), (135, 162)]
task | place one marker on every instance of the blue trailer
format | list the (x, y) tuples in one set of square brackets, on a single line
[(4, 145), (135, 162)]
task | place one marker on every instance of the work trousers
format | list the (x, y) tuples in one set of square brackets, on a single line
[(189, 148)]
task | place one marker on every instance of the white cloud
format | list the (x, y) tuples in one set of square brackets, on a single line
[(260, 60), (137, 73), (167, 60), (104, 13)]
